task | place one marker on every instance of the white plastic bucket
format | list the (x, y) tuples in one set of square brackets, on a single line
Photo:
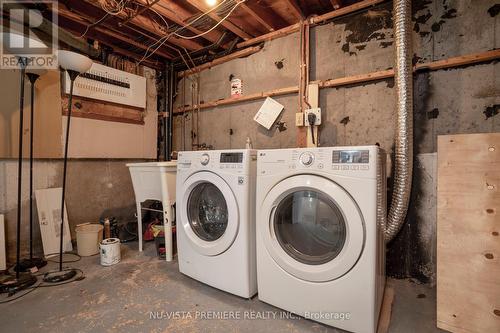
[(88, 237), (110, 251)]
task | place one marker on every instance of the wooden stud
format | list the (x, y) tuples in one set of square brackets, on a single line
[(345, 10), (459, 61), (270, 36), (356, 79), (343, 81), (218, 61), (245, 98)]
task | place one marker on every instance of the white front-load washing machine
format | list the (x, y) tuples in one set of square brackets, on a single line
[(320, 243), (215, 213)]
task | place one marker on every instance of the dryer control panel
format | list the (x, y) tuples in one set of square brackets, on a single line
[(350, 161)]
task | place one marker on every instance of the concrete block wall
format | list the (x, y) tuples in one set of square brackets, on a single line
[(448, 101)]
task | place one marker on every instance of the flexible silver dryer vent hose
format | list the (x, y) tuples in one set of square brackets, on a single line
[(403, 167)]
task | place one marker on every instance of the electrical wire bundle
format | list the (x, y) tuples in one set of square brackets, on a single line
[(201, 22), (112, 7), (161, 41)]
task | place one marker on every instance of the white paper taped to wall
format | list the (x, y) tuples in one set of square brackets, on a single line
[(268, 113)]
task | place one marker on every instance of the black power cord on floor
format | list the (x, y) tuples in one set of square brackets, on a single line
[(78, 257), (11, 270), (28, 290), (78, 277)]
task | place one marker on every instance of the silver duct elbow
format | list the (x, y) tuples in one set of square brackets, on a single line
[(403, 167)]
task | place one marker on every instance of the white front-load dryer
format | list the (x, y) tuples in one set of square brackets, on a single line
[(215, 214), (320, 246)]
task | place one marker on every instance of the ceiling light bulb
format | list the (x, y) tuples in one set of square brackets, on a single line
[(211, 2)]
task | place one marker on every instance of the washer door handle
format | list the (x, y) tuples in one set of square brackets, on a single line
[(271, 222)]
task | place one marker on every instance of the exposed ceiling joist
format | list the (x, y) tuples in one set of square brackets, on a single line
[(294, 6), (85, 20), (177, 14), (256, 16), (145, 23), (136, 24), (267, 15), (226, 23), (118, 49)]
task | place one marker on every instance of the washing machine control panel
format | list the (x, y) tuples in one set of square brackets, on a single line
[(231, 157), (306, 158), (233, 162)]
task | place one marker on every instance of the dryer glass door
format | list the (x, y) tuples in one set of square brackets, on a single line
[(310, 227)]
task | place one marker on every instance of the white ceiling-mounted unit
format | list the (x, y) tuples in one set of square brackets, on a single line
[(111, 85)]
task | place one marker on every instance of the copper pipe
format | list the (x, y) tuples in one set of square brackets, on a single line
[(301, 67), (307, 27)]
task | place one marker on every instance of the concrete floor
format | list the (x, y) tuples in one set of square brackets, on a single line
[(124, 298)]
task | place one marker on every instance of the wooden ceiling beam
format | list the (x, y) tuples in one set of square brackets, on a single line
[(148, 62), (85, 20), (177, 14), (294, 6), (336, 4), (259, 19), (226, 23), (313, 21), (145, 23), (266, 16)]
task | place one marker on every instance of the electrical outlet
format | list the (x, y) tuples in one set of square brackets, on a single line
[(317, 112), (299, 119)]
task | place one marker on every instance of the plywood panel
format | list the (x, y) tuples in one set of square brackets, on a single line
[(468, 243)]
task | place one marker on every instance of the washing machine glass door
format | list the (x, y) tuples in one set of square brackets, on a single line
[(315, 230), (209, 213)]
